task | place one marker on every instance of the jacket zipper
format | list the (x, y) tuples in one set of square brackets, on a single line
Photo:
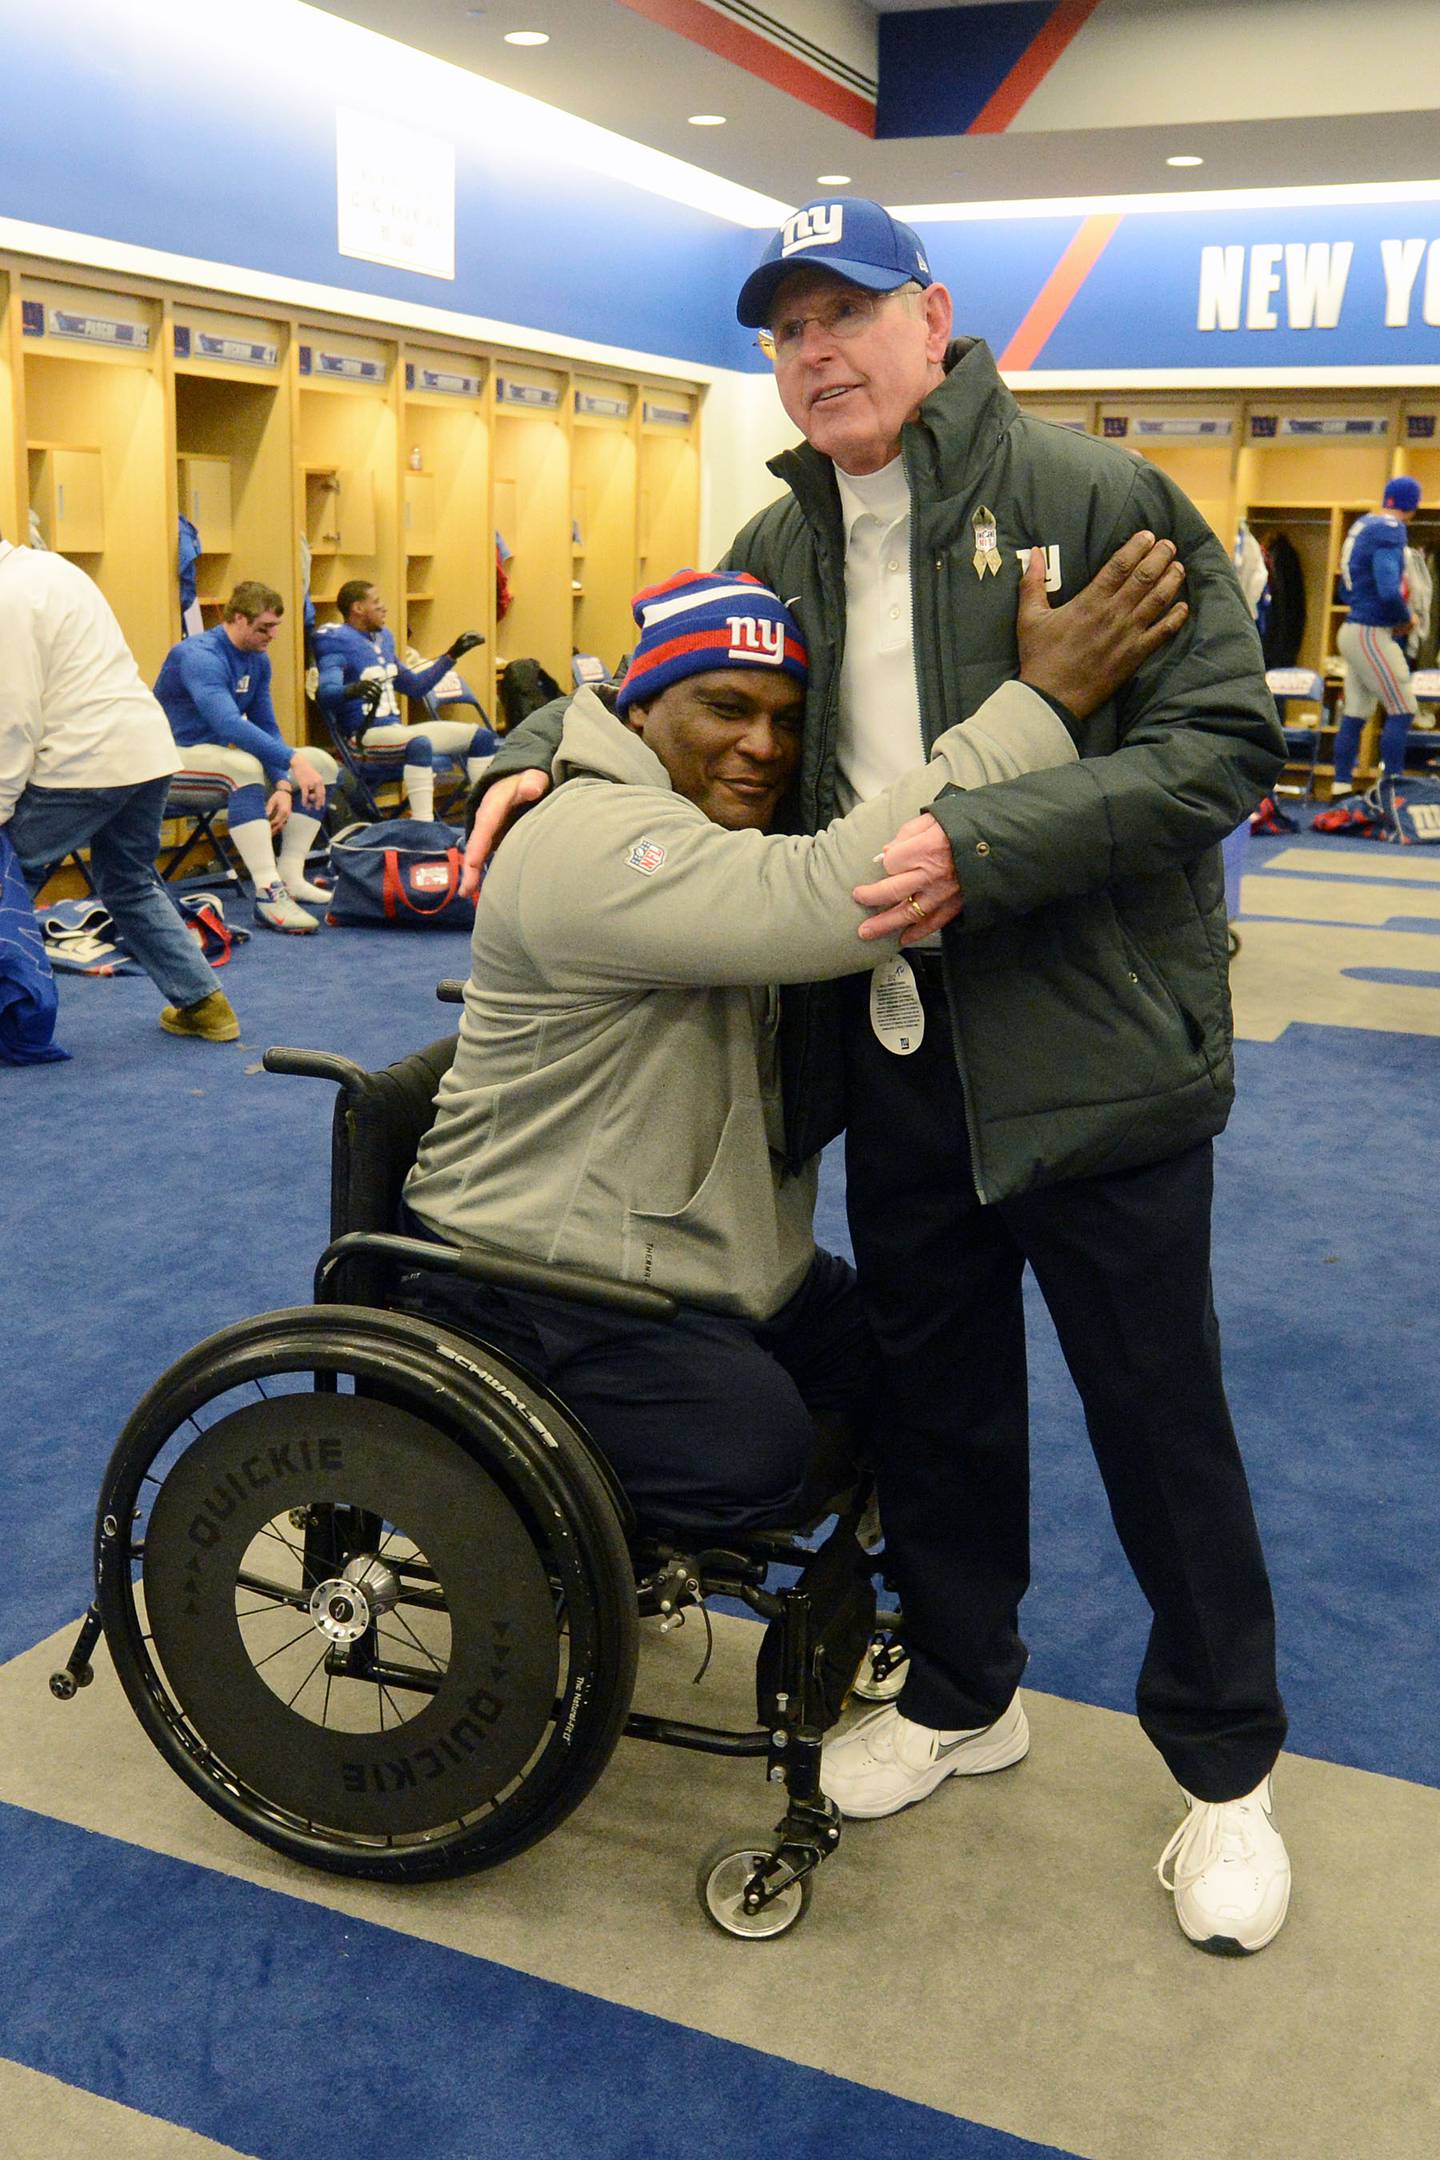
[(933, 572)]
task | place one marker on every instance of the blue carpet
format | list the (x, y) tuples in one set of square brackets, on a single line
[(292, 2031), (160, 1189)]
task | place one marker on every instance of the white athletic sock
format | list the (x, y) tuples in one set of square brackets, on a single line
[(256, 850), (475, 766), (420, 790), (295, 845)]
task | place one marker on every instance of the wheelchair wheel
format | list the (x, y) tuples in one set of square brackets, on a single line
[(367, 1592), (720, 1884)]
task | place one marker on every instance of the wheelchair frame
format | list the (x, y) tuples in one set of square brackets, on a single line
[(506, 1435)]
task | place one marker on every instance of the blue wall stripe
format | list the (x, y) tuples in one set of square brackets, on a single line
[(287, 2030), (940, 67)]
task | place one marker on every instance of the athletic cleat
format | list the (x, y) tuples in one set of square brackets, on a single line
[(888, 1762), (275, 908), (1270, 818), (303, 888), (1356, 818), (1230, 1876), (209, 1019)]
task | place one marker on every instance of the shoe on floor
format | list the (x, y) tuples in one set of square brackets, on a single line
[(307, 889), (887, 1761), (1229, 1873), (210, 1019), (275, 908)]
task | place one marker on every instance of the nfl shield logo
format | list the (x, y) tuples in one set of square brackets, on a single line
[(646, 856)]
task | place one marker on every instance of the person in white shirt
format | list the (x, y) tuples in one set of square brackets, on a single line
[(86, 757)]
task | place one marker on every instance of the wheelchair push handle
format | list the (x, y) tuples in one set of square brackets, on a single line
[(313, 1065)]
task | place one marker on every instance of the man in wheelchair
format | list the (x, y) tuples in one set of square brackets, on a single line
[(371, 1571), (614, 1101)]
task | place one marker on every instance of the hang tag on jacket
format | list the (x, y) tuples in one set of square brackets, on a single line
[(896, 1013)]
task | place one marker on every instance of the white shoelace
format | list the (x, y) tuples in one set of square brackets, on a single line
[(1212, 1830)]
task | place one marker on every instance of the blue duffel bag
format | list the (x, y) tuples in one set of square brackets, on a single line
[(403, 873)]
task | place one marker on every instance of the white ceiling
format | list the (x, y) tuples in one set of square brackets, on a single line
[(608, 64)]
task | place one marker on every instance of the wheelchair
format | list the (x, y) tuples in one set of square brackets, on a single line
[(375, 1595)]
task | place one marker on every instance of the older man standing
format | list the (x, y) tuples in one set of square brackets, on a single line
[(1057, 1103)]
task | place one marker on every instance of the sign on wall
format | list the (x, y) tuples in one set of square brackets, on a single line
[(396, 194)]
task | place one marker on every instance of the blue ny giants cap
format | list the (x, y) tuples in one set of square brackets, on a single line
[(857, 239)]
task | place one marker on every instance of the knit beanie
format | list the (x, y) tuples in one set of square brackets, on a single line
[(698, 622), (1403, 494)]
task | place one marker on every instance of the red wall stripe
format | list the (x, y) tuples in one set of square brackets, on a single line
[(1031, 68), (1059, 289), (757, 56)]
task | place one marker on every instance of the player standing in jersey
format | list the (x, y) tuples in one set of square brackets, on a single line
[(1373, 573)]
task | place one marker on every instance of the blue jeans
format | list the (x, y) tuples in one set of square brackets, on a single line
[(121, 827)]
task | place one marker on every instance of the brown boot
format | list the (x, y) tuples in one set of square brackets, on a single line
[(212, 1019)]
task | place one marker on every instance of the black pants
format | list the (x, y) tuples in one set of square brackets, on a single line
[(1123, 1263), (710, 1423)]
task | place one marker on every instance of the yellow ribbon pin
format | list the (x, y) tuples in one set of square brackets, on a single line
[(987, 554)]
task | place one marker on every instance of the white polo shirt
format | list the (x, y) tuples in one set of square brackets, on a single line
[(74, 712), (880, 733)]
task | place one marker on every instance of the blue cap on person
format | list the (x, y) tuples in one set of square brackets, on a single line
[(1402, 494), (855, 238), (698, 622)]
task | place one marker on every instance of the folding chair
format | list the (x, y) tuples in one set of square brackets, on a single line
[(1300, 686), (369, 769), (196, 803)]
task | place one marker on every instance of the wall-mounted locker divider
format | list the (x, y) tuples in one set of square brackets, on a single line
[(1419, 447), (669, 480), (235, 459), (447, 538), (604, 497), (533, 513), (1195, 444), (97, 438), (347, 462), (1076, 413), (14, 479)]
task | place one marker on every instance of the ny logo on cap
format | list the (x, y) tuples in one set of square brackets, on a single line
[(818, 227), (752, 638)]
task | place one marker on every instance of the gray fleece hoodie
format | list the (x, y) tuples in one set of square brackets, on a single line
[(614, 1102)]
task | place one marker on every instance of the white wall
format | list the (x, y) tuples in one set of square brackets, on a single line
[(744, 425)]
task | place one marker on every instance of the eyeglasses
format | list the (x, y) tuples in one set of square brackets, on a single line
[(843, 318)]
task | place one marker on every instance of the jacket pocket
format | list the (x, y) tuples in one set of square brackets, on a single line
[(731, 1213)]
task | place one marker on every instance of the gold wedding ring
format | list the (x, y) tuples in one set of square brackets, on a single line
[(913, 903)]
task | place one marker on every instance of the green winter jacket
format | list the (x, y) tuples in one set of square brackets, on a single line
[(1088, 974)]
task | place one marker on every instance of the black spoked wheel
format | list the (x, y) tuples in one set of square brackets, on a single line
[(367, 1592)]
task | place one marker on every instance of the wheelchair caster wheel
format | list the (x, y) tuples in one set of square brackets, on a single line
[(721, 1882), (884, 1670)]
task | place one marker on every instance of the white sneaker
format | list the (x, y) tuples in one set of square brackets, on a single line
[(278, 911), (1231, 1873), (887, 1761)]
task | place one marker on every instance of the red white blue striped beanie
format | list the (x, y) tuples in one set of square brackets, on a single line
[(700, 621)]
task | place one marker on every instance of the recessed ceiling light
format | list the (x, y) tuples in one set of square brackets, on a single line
[(527, 37), (707, 119), (1184, 161), (832, 179)]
